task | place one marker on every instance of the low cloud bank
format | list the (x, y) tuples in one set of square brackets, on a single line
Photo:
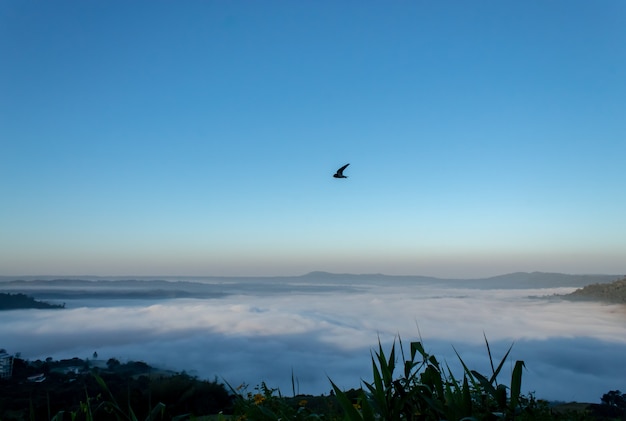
[(572, 350)]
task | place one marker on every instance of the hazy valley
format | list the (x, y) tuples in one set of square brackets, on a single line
[(324, 325)]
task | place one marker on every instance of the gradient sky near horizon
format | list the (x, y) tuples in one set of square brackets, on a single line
[(200, 137)]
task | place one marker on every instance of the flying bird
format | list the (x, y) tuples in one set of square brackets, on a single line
[(339, 173)]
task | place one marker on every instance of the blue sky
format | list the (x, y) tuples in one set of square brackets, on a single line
[(200, 137)]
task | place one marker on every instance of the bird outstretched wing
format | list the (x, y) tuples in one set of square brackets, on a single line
[(339, 172)]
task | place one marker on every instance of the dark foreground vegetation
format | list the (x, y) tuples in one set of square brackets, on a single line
[(20, 301), (407, 384), (76, 389)]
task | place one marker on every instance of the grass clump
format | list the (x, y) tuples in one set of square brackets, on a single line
[(268, 404), (427, 390)]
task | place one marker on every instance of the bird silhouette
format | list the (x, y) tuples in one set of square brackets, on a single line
[(339, 173)]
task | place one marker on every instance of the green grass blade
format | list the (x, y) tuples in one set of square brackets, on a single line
[(501, 397), (418, 347), (58, 417), (352, 413), (104, 386), (467, 397), (378, 380), (516, 384), (468, 372), (485, 384), (432, 378), (87, 407), (367, 412), (387, 366), (159, 408), (497, 371), (489, 353)]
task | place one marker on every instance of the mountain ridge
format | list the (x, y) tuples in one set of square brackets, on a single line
[(510, 280), (312, 274)]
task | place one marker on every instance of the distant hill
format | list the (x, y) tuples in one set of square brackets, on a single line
[(21, 301), (523, 280), (613, 292), (57, 289), (219, 287), (516, 280), (155, 289)]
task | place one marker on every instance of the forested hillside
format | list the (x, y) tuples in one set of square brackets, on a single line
[(40, 389), (614, 292), (17, 301)]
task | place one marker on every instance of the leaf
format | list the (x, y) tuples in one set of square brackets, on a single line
[(367, 412), (58, 416), (159, 408), (387, 367), (497, 371), (489, 353), (486, 384), (378, 389), (468, 372), (186, 417), (351, 412), (516, 384), (501, 396), (104, 386), (432, 378), (467, 397)]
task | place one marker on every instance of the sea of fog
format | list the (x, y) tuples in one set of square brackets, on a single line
[(573, 351)]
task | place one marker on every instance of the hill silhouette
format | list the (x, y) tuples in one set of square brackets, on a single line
[(21, 301), (613, 292)]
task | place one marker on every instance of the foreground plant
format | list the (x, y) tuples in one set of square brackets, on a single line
[(426, 391), (107, 408), (268, 404)]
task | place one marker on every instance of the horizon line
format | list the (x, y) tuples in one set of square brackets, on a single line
[(307, 274)]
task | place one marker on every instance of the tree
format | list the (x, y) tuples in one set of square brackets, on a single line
[(615, 398), (613, 405), (113, 363)]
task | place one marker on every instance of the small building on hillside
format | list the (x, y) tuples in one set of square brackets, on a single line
[(6, 365)]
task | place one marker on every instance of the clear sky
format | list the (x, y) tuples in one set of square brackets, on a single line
[(200, 137)]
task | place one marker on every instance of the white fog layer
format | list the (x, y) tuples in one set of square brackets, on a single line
[(572, 350)]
